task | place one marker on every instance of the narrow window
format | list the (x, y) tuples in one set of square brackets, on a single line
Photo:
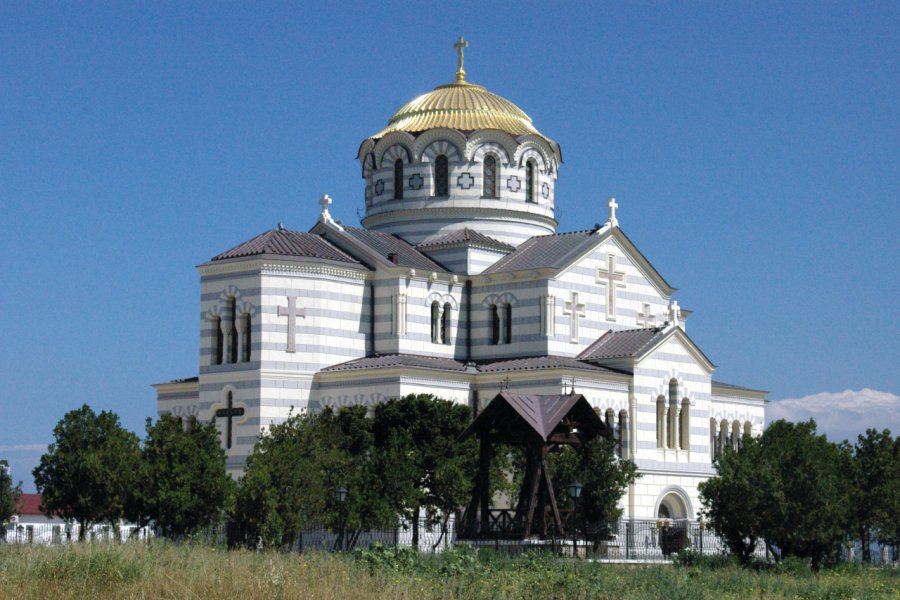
[(445, 324), (673, 414), (735, 435), (247, 338), (507, 308), (435, 323), (398, 179), (220, 340), (489, 179), (685, 436), (623, 434), (661, 422), (610, 418), (441, 176), (713, 440), (233, 334), (529, 181), (495, 324)]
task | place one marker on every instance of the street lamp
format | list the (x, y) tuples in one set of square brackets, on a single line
[(574, 492), (341, 493)]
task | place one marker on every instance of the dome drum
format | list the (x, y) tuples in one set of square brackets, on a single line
[(460, 152)]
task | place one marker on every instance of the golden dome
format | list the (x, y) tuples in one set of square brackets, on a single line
[(463, 106)]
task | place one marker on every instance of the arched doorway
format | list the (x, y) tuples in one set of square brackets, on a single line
[(674, 506)]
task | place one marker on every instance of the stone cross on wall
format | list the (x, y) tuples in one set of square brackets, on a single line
[(228, 414), (291, 311), (574, 310), (645, 318), (611, 278)]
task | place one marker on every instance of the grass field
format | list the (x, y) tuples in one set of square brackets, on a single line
[(162, 570)]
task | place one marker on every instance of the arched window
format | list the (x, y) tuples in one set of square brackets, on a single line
[(685, 433), (610, 418), (623, 434), (247, 338), (723, 435), (489, 176), (713, 440), (435, 323), (398, 179), (495, 324), (673, 414), (233, 333), (529, 181), (220, 341), (441, 176), (445, 323), (748, 428), (661, 422), (735, 435)]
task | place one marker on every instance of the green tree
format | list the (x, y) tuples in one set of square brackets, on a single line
[(282, 489), (182, 483), (603, 476), (876, 478), (734, 500), (429, 467), (295, 469), (9, 496), (791, 488), (87, 471)]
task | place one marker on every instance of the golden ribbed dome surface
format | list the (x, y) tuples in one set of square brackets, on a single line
[(463, 106)]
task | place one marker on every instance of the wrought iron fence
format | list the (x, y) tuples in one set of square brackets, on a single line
[(641, 540), (67, 533)]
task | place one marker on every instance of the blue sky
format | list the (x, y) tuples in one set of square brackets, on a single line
[(754, 150)]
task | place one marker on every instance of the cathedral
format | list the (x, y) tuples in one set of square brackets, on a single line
[(458, 284)]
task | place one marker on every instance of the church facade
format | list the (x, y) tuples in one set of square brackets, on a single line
[(458, 284)]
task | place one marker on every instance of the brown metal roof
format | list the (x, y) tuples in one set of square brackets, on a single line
[(545, 251), (394, 249), (465, 236), (543, 362), (398, 360), (284, 242), (541, 414), (628, 343)]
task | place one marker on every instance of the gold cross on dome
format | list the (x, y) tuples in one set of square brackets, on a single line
[(460, 45)]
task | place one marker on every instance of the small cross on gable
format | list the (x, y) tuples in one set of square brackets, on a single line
[(613, 222), (574, 311), (674, 313), (611, 279), (291, 311)]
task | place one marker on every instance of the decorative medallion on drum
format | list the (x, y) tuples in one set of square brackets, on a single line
[(513, 184), (416, 182), (465, 181), (545, 190), (379, 187)]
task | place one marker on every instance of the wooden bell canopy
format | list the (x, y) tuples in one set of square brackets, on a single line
[(539, 423)]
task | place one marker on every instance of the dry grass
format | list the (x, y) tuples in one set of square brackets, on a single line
[(161, 571)]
